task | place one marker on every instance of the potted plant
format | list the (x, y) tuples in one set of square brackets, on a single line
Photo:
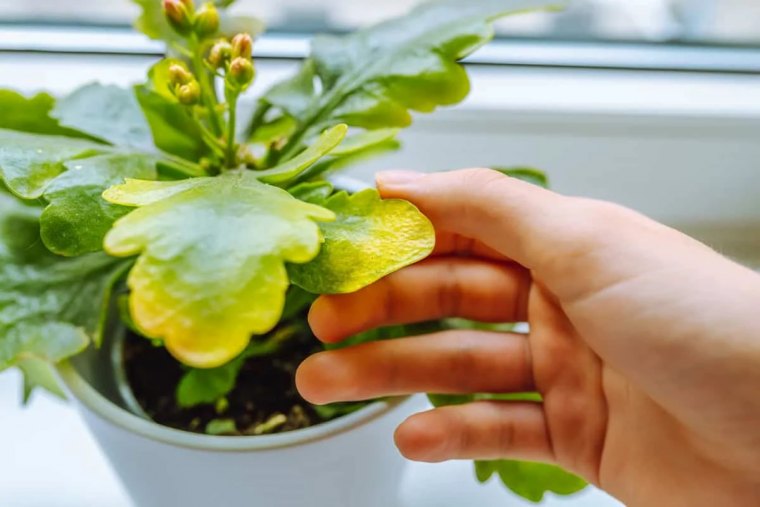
[(159, 251)]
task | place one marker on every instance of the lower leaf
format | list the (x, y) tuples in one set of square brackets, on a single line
[(50, 306), (530, 480)]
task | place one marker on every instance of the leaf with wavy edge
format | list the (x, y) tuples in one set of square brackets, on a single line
[(370, 239), (212, 253)]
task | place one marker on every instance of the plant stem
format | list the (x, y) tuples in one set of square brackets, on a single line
[(211, 140), (208, 91), (232, 99), (181, 165)]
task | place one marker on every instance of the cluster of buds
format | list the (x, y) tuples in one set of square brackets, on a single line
[(183, 85), (185, 20), (235, 58)]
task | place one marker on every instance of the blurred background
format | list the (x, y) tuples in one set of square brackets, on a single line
[(658, 21)]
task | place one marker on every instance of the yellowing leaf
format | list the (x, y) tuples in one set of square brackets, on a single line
[(370, 239), (211, 270)]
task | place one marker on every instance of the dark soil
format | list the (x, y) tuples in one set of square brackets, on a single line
[(265, 389)]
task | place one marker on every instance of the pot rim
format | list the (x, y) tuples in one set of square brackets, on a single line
[(108, 411)]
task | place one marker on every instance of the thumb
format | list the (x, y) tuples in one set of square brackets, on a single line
[(514, 218)]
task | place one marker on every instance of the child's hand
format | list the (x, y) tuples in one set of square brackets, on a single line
[(644, 343)]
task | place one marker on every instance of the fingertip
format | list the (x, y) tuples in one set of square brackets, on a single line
[(420, 438), (321, 379), (324, 319), (397, 178)]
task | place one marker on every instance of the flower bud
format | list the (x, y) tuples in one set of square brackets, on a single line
[(220, 54), (242, 46), (240, 73), (179, 75), (189, 94), (206, 21), (179, 15)]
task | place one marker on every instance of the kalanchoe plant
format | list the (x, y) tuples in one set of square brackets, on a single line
[(213, 231)]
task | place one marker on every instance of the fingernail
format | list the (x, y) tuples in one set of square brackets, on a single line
[(398, 178)]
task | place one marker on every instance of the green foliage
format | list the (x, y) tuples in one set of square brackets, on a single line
[(31, 114), (289, 170), (29, 162), (528, 174), (369, 239), (209, 247), (530, 480), (373, 78), (173, 128), (109, 113), (78, 218), (208, 386), (49, 306)]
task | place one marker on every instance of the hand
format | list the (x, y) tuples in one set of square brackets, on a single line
[(644, 344)]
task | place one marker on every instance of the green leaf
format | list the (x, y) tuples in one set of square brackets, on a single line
[(274, 131), (292, 168), (29, 162), (297, 94), (78, 218), (364, 141), (370, 239), (39, 373), (527, 174), (442, 400), (530, 480), (31, 114), (221, 427), (373, 78), (174, 130), (211, 270), (353, 150), (199, 387), (106, 112), (50, 306)]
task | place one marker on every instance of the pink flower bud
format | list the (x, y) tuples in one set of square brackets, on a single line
[(242, 46), (179, 15), (220, 54), (179, 75)]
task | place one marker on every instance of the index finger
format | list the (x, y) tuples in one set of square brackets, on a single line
[(504, 214)]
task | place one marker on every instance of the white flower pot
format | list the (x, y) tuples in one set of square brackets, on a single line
[(348, 462)]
